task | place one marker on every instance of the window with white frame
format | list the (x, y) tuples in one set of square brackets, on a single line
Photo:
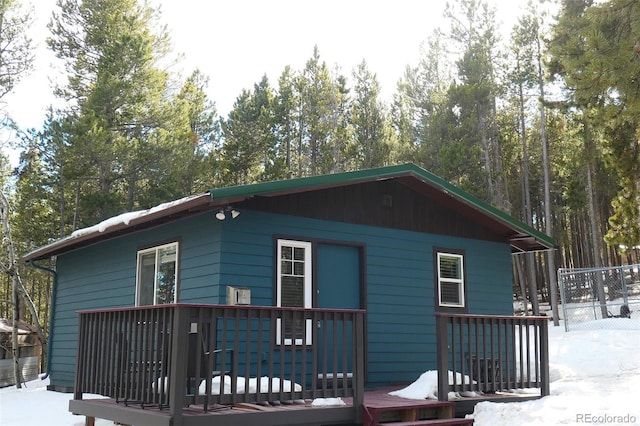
[(293, 289), (156, 277), (451, 285)]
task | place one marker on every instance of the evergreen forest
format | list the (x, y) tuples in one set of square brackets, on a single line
[(544, 124)]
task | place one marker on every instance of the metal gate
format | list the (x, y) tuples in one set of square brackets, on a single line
[(592, 294)]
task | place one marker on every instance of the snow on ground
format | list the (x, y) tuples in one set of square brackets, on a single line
[(595, 379)]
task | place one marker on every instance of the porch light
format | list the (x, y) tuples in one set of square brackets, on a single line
[(220, 215), (234, 213)]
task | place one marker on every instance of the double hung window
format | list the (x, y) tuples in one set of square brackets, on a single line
[(156, 277), (451, 286)]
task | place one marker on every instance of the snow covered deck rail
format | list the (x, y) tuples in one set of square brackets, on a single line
[(173, 356), (492, 353)]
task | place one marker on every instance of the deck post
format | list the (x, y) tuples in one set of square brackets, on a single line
[(178, 368), (358, 397), (544, 358), (80, 359), (442, 343)]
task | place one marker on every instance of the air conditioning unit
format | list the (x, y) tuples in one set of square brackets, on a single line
[(238, 296)]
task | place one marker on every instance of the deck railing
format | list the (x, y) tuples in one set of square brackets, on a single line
[(171, 356), (482, 353)]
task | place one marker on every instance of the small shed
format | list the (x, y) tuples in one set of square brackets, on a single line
[(29, 352)]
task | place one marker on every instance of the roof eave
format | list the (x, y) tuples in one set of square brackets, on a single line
[(71, 243)]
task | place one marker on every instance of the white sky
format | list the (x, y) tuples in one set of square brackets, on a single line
[(235, 42)]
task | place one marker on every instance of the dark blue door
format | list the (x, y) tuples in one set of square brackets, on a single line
[(338, 286)]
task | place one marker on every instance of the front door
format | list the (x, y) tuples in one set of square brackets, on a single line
[(338, 286)]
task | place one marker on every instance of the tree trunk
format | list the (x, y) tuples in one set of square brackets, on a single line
[(593, 219), (551, 267), (10, 270)]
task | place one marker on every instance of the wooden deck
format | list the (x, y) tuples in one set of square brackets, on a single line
[(378, 408), (157, 356)]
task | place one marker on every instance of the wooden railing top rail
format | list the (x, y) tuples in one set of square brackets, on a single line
[(499, 317), (212, 305)]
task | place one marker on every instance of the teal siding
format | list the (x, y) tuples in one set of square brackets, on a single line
[(399, 268), (104, 275), (240, 252)]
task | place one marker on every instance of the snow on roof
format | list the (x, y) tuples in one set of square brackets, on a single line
[(6, 326), (126, 218), (116, 223)]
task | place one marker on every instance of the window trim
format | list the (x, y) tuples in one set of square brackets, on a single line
[(156, 249), (462, 282), (308, 288)]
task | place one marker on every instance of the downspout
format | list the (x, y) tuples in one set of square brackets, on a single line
[(52, 311)]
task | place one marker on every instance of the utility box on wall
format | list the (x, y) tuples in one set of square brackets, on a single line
[(238, 296)]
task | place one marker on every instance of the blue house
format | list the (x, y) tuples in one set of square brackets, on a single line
[(397, 245)]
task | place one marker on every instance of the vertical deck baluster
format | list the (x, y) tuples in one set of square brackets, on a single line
[(104, 373), (248, 342), (299, 317), (324, 355), (528, 330), (455, 358), (494, 358), (224, 348), (484, 363), (314, 353), (213, 344), (276, 321), (536, 351), (464, 363), (303, 356), (334, 355), (521, 353), (259, 351), (345, 369), (146, 356)]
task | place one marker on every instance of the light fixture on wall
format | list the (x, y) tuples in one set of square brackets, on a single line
[(221, 215)]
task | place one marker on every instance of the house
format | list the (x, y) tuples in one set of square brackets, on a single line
[(396, 245), (29, 351)]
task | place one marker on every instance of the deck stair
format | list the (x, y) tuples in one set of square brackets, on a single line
[(387, 410)]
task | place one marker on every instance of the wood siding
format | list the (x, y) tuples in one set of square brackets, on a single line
[(104, 276), (389, 204), (399, 281), (399, 275)]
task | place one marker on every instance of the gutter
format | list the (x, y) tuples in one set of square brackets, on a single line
[(52, 312)]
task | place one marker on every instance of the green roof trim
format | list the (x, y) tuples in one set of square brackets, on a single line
[(381, 173)]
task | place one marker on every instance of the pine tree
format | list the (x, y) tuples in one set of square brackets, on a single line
[(372, 143), (16, 50), (117, 97)]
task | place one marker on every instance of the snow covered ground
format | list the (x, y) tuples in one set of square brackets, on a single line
[(595, 379)]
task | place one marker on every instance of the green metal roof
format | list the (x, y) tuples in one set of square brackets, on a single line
[(521, 236), (382, 173)]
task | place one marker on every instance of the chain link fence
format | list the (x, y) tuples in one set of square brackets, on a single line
[(591, 295)]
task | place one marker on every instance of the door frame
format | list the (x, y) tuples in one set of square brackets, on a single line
[(314, 277)]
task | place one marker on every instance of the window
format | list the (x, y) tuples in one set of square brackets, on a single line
[(293, 289), (451, 280), (156, 275)]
